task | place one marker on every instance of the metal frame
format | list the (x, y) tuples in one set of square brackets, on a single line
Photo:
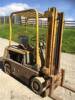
[(35, 15), (53, 47), (56, 79)]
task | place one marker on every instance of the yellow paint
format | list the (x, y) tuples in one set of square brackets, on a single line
[(10, 34), (36, 15), (38, 62), (18, 50)]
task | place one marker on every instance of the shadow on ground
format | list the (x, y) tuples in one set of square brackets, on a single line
[(1, 63)]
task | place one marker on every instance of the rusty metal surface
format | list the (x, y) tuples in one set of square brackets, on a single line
[(21, 71), (52, 61), (50, 42), (58, 42)]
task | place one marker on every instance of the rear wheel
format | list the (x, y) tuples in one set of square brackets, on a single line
[(37, 85), (7, 68)]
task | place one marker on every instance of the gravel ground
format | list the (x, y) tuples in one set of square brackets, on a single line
[(12, 89)]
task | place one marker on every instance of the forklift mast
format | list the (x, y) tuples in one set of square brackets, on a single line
[(54, 41)]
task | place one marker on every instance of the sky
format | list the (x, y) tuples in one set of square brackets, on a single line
[(66, 6)]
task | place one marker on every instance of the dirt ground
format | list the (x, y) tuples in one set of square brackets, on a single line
[(12, 89)]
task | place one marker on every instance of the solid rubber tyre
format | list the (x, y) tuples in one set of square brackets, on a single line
[(37, 85)]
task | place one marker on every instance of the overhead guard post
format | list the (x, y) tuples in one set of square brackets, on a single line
[(10, 34), (37, 39)]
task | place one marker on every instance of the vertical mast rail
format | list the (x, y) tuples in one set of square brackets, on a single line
[(49, 40), (53, 40), (58, 42), (51, 36)]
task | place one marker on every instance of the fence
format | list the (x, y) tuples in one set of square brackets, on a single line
[(42, 21), (69, 24)]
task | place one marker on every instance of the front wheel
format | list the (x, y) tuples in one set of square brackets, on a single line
[(7, 68), (37, 85)]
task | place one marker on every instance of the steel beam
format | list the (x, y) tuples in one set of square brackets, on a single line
[(58, 42)]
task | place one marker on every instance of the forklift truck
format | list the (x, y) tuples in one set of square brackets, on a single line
[(29, 64)]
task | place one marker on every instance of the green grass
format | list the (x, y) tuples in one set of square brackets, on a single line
[(69, 40), (68, 44), (21, 30)]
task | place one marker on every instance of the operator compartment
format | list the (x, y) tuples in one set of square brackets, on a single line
[(21, 55)]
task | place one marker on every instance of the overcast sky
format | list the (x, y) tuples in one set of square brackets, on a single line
[(66, 6)]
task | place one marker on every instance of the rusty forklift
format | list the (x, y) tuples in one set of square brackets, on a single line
[(41, 73)]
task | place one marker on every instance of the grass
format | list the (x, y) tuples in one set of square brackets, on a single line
[(68, 42)]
